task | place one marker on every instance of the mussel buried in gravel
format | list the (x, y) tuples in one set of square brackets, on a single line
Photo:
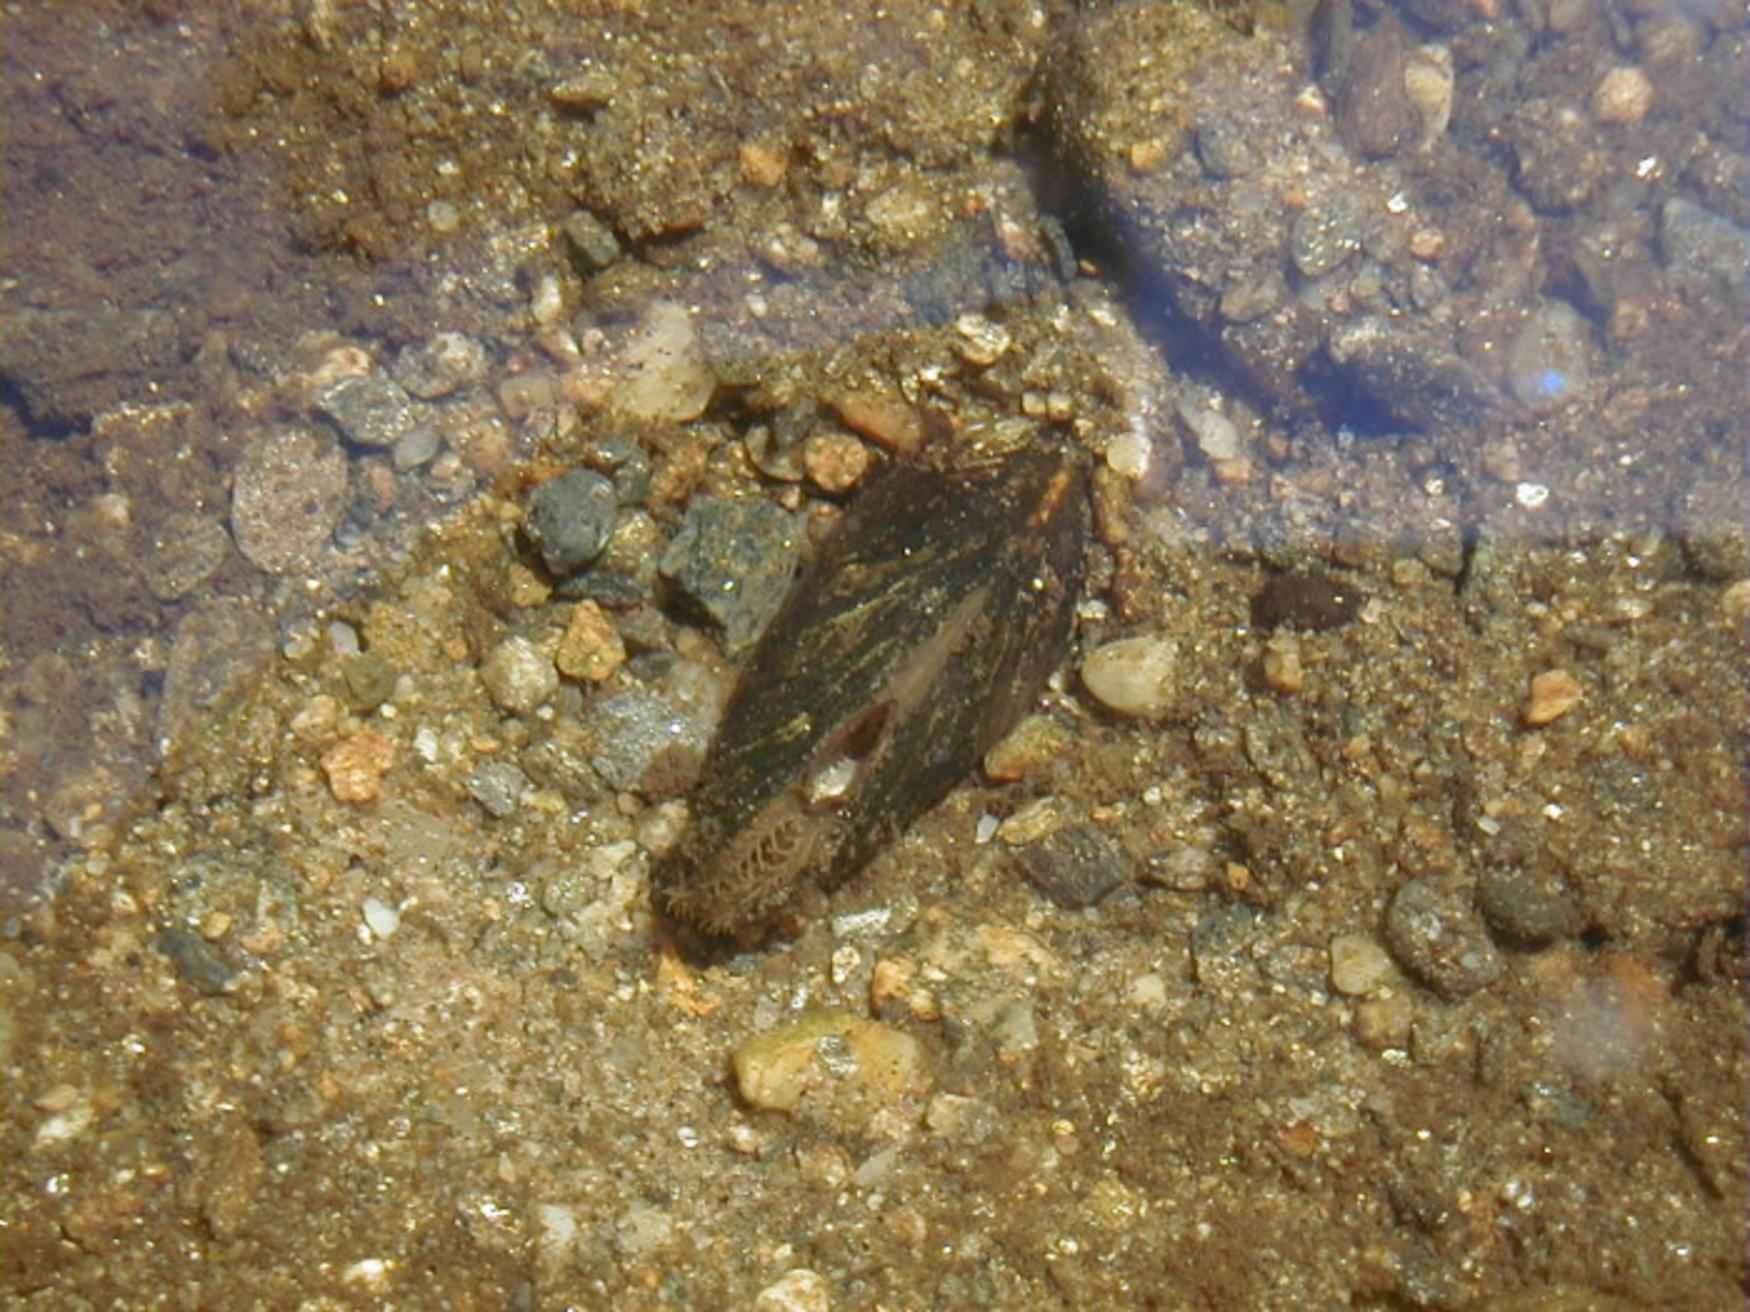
[(922, 631)]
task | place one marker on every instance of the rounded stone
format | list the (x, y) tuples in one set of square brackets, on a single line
[(1623, 95), (1441, 941), (184, 554), (1359, 965), (1529, 905), (1133, 676), (571, 518), (288, 496), (518, 676)]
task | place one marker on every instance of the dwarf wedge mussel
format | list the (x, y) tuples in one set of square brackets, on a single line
[(922, 631)]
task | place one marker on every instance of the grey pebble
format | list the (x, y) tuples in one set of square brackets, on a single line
[(1224, 149), (736, 561), (1547, 360), (1531, 904), (498, 786), (652, 740), (1712, 530), (287, 496), (185, 553), (1703, 247), (1324, 236), (1441, 941), (591, 241), (196, 960), (1412, 372), (627, 464), (570, 519), (369, 410), (441, 365), (418, 446), (1221, 945), (1073, 867)]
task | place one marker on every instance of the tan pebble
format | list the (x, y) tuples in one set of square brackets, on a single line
[(1623, 95), (215, 925), (775, 1070), (1553, 694), (1031, 746), (355, 767), (316, 719), (982, 341), (761, 164), (1146, 156), (894, 982), (591, 649), (1036, 820), (1359, 965), (1501, 459), (1427, 244), (1282, 668), (1428, 82), (1133, 676), (797, 1290), (1735, 600), (526, 588), (836, 462), (1384, 1022), (1233, 472), (398, 71), (892, 424), (57, 1099)]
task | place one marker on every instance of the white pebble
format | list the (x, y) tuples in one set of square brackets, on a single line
[(797, 1290), (380, 918), (1213, 431), (1133, 676)]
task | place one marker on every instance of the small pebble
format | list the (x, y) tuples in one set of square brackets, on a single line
[(836, 462), (1548, 361), (1073, 867), (797, 1290), (1553, 694), (1282, 666), (1214, 432), (1030, 747), (287, 498), (355, 766), (1133, 676), (652, 741), (1528, 903), (380, 918), (1441, 941), (370, 410), (416, 448), (1384, 1022), (184, 554), (1359, 965), (498, 786), (518, 676), (570, 519), (591, 649), (776, 1070), (736, 560), (982, 342), (663, 375), (1623, 95), (591, 240), (441, 365)]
